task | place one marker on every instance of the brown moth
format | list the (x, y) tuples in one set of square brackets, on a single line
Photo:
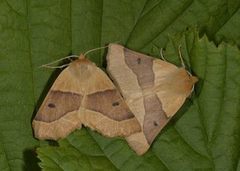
[(153, 89), (83, 94)]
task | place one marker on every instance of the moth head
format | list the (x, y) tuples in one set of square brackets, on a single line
[(82, 68), (179, 82), (186, 81)]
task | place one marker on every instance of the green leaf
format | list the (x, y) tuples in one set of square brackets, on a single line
[(73, 154), (204, 134)]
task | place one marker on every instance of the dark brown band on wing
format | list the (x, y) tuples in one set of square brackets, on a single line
[(141, 65), (110, 103), (57, 104), (155, 118)]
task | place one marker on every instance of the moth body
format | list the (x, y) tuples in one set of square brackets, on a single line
[(83, 94), (153, 89)]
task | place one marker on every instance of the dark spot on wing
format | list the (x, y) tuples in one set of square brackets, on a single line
[(51, 105), (139, 60), (115, 103), (155, 123)]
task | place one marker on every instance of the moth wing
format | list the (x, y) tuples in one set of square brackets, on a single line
[(121, 74), (58, 114), (83, 94), (105, 110), (172, 85), (146, 84)]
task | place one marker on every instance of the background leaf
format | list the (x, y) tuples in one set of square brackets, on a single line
[(204, 134), (74, 154)]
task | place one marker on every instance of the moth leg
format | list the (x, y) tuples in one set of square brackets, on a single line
[(180, 56)]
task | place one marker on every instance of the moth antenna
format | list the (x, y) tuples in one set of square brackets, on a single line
[(51, 63), (193, 88), (180, 56), (193, 84), (161, 54), (67, 57), (54, 67), (103, 47)]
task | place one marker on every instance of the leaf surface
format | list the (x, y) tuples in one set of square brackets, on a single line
[(203, 135)]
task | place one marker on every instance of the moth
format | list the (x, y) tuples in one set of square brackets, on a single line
[(153, 89), (83, 94)]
